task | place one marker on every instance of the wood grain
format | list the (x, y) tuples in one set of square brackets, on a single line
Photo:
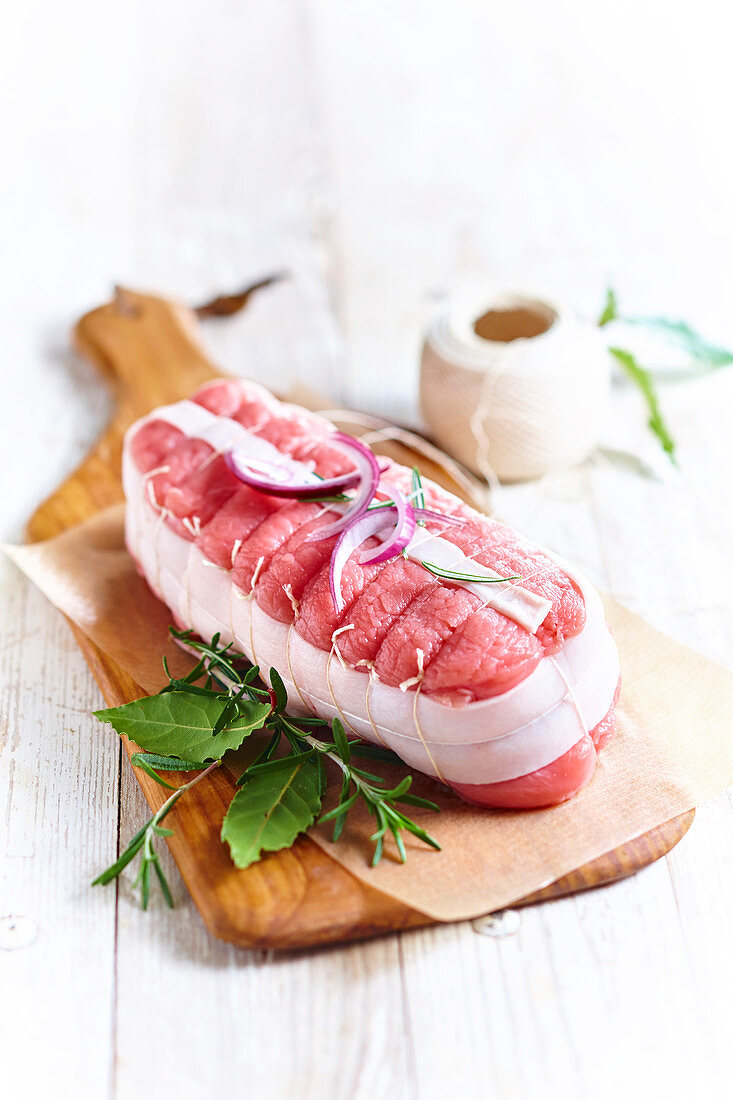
[(150, 350)]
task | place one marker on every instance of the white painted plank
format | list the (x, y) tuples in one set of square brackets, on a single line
[(58, 807)]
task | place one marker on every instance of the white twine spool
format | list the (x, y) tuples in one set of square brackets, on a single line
[(514, 385)]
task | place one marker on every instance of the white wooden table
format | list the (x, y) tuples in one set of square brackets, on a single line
[(381, 153)]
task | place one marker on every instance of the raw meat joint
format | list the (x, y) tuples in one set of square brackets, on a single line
[(503, 691)]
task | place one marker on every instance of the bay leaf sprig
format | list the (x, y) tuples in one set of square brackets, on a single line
[(196, 720)]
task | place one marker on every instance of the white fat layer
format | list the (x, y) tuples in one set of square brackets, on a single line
[(509, 598), (501, 738)]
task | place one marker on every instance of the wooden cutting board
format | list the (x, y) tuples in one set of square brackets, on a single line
[(150, 351)]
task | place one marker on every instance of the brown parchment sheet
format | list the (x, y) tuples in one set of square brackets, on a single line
[(673, 748)]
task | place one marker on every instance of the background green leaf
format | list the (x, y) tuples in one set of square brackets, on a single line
[(180, 724), (272, 809), (684, 336), (610, 308), (642, 378)]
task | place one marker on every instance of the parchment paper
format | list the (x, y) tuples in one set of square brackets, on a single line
[(673, 748)]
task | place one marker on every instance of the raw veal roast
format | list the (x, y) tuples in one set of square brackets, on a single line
[(503, 690)]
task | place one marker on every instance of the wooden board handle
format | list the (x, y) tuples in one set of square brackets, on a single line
[(148, 349)]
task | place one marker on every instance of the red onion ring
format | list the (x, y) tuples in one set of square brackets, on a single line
[(273, 479), (369, 474), (351, 538), (404, 529), (439, 517), (400, 515)]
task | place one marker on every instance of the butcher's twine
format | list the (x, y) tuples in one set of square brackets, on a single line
[(518, 408)]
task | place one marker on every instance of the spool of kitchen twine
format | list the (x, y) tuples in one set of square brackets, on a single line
[(513, 385)]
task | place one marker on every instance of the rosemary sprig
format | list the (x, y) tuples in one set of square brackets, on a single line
[(334, 498), (144, 840), (610, 308), (457, 575), (380, 801)]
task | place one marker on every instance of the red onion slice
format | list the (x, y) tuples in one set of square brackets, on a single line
[(369, 473), (355, 534), (400, 516), (404, 529), (438, 517), (276, 479)]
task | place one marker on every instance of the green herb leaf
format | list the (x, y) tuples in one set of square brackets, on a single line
[(374, 752), (643, 380), (678, 333), (143, 843), (341, 741), (127, 857), (335, 498), (279, 796), (418, 493), (684, 336), (181, 725), (272, 809), (164, 763), (278, 687), (165, 888), (138, 761), (610, 308), (275, 764)]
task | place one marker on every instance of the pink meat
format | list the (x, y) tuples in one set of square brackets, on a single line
[(257, 550), (429, 620), (381, 603), (235, 522), (292, 567), (500, 548), (292, 434), (236, 401), (152, 443), (557, 782), (222, 398), (202, 492), (486, 655), (325, 460), (318, 616), (182, 460), (305, 438), (405, 622)]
